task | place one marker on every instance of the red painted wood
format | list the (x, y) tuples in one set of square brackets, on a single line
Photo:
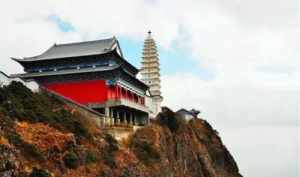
[(112, 92), (93, 91), (84, 92)]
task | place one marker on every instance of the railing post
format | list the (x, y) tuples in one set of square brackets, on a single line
[(125, 118)]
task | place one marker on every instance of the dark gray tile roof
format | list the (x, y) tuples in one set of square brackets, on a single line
[(28, 76), (64, 72), (77, 49)]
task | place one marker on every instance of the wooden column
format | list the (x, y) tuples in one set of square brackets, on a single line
[(111, 116), (125, 118), (106, 119), (118, 117), (134, 119), (131, 119)]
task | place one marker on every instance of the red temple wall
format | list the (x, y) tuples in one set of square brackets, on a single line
[(93, 91), (84, 92)]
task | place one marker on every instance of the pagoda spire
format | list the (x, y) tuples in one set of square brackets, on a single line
[(150, 70)]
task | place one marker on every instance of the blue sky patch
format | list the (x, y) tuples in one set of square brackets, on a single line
[(61, 24), (172, 60)]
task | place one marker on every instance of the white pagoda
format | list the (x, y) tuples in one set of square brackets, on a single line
[(150, 75)]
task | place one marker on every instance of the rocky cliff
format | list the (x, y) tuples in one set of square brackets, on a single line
[(42, 137)]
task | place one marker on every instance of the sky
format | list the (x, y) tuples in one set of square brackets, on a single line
[(238, 61)]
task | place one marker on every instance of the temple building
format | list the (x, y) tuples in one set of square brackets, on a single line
[(150, 75), (94, 74)]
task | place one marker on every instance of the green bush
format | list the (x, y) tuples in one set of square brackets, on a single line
[(112, 142), (39, 173), (170, 119), (31, 150), (19, 102), (71, 160), (126, 173), (108, 158), (91, 157), (14, 139), (145, 152), (79, 130), (109, 151), (28, 149), (106, 173), (3, 95)]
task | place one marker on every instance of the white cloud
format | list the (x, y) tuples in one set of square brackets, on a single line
[(251, 47), (257, 120), (265, 151), (27, 30), (235, 103)]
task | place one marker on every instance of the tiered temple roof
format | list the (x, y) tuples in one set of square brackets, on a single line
[(80, 57), (69, 50)]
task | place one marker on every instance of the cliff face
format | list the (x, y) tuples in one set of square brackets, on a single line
[(46, 138), (184, 149)]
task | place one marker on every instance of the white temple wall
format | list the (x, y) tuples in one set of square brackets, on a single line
[(154, 106), (4, 80)]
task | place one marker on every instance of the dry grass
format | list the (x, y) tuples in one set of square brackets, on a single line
[(42, 136), (4, 141)]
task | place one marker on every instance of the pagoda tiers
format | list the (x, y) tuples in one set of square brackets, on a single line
[(94, 74), (150, 73)]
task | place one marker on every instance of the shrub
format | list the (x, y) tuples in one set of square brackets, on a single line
[(145, 152), (28, 149), (65, 119), (71, 160), (106, 173), (91, 157), (3, 95), (112, 142), (126, 173), (14, 139), (39, 173), (170, 119), (31, 150), (108, 158), (109, 151), (17, 101), (19, 90), (79, 130)]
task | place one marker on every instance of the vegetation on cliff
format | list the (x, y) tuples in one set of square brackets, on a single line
[(41, 137)]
